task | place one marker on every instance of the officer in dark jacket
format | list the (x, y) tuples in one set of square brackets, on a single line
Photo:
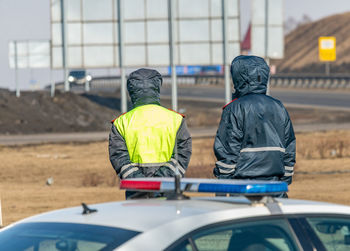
[(255, 138), (149, 140)]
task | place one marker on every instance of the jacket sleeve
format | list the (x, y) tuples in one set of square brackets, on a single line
[(119, 156), (289, 155), (227, 144), (181, 154)]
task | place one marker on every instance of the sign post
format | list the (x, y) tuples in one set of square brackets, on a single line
[(327, 51), (171, 7), (267, 30), (228, 95), (123, 97), (18, 92), (64, 44)]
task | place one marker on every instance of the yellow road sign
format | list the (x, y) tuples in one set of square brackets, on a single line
[(326, 48)]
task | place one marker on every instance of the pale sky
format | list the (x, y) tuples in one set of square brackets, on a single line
[(30, 19)]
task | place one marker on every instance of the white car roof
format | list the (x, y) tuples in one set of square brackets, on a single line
[(143, 215)]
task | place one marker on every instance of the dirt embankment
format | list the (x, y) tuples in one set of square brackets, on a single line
[(37, 112), (301, 46)]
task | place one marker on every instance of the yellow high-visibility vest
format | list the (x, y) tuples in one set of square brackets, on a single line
[(149, 132)]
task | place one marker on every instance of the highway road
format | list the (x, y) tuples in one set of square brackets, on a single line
[(336, 100), (296, 97)]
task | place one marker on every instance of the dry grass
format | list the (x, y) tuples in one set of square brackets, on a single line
[(82, 173)]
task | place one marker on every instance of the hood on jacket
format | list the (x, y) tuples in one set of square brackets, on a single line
[(250, 74), (144, 87)]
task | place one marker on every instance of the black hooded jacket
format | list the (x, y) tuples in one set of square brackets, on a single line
[(144, 89), (255, 138)]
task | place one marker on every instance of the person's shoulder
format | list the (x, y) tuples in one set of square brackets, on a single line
[(275, 100), (182, 115), (231, 103), (118, 117)]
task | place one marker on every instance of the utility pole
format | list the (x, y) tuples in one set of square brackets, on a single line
[(172, 51), (123, 101), (64, 44), (18, 92), (267, 41), (228, 95)]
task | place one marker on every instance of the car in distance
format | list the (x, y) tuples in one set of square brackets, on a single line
[(78, 77), (249, 219)]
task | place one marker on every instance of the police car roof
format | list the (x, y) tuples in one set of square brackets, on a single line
[(142, 215)]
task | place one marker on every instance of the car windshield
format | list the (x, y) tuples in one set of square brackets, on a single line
[(77, 74), (333, 232), (63, 237)]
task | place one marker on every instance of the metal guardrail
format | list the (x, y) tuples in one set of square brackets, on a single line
[(329, 82), (283, 81)]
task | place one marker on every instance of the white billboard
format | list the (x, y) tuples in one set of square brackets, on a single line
[(92, 33), (272, 26), (29, 54)]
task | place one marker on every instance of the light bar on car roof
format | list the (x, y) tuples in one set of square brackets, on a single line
[(250, 187)]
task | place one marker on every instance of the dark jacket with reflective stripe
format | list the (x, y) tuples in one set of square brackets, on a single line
[(255, 138), (144, 87)]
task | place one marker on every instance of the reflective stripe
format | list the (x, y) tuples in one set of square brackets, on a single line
[(289, 168), (172, 167), (125, 175), (261, 149), (151, 164), (181, 169), (126, 167), (226, 171), (232, 166), (289, 174)]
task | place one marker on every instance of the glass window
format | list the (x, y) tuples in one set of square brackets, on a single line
[(216, 30), (98, 10), (39, 61), (22, 62), (193, 8), (217, 55), (56, 34), (135, 55), (38, 47), (134, 9), (74, 57), (73, 10), (55, 10), (194, 30), (157, 9), (194, 54), (157, 32), (263, 235), (216, 8), (22, 48), (334, 233), (74, 34), (95, 33), (158, 55), (233, 8), (56, 57), (98, 56), (134, 32), (63, 236)]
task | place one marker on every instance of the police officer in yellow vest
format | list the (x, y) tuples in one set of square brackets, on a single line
[(149, 140)]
